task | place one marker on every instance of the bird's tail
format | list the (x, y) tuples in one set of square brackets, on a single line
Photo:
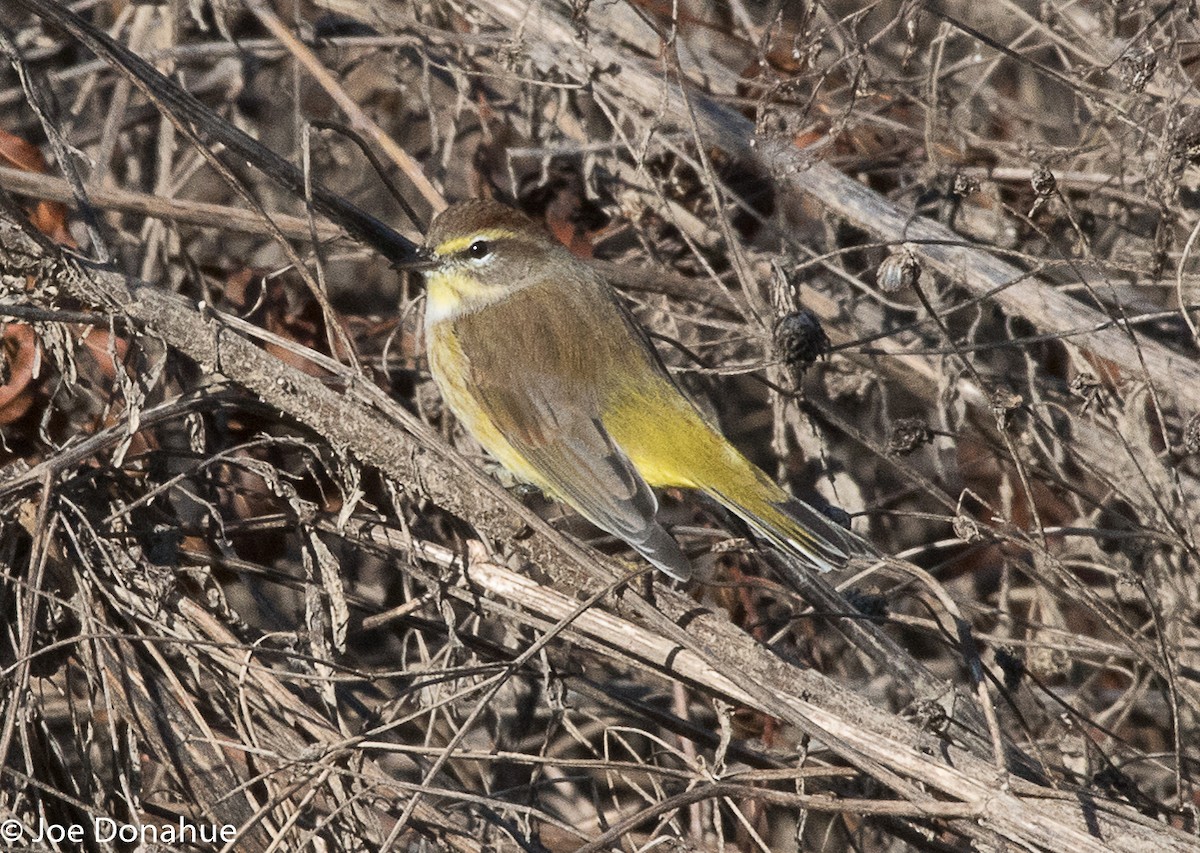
[(796, 528)]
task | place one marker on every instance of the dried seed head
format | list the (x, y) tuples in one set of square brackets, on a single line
[(799, 338), (964, 185), (899, 271), (907, 435), (1043, 182), (968, 529), (930, 715)]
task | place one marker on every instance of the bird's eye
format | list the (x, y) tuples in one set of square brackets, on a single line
[(479, 249)]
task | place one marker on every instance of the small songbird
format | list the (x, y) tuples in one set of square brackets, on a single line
[(543, 364)]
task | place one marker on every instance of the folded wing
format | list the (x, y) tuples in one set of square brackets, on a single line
[(562, 438)]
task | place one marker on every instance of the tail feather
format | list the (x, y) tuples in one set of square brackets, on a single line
[(798, 529), (663, 552)]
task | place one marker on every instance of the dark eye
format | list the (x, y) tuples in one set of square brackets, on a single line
[(479, 249)]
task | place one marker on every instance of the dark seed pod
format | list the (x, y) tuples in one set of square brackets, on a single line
[(1043, 182), (799, 338), (1013, 667), (908, 435)]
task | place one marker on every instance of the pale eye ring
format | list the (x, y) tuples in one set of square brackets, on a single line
[(479, 249)]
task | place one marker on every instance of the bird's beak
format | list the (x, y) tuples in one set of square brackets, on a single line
[(421, 260)]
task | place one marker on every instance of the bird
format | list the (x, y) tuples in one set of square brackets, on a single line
[(540, 360)]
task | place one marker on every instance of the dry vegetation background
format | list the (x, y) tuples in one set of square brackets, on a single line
[(234, 528)]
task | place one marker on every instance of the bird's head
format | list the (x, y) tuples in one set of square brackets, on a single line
[(488, 240), (478, 251)]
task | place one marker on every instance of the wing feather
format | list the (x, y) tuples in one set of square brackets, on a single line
[(555, 426)]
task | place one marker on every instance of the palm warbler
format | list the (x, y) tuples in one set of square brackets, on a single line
[(543, 364)]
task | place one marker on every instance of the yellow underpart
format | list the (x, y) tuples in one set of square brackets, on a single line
[(449, 366), (457, 244)]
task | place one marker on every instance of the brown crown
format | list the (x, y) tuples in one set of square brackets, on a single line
[(479, 214)]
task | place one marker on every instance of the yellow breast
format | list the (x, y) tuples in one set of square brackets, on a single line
[(450, 369)]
